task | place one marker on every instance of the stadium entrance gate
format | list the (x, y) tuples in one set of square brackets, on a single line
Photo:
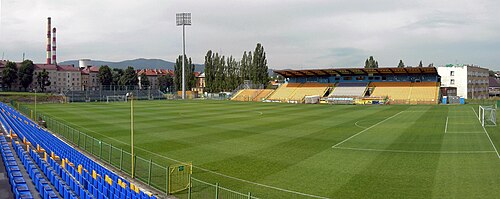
[(179, 177)]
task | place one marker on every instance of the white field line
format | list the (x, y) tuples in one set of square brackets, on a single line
[(356, 124), (200, 168), (485, 131), (409, 151), (465, 133), (446, 127), (367, 129)]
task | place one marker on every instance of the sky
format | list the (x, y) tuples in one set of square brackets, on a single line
[(296, 34)]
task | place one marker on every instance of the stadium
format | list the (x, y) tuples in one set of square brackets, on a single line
[(390, 139)]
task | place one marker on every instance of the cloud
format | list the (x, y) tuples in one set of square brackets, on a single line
[(295, 33)]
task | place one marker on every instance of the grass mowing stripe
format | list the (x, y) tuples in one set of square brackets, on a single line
[(408, 151), (366, 129)]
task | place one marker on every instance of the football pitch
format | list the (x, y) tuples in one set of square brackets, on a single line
[(307, 151)]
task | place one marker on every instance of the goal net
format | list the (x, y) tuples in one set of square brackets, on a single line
[(116, 98), (488, 115)]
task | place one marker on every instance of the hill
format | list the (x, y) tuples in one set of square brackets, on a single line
[(140, 63)]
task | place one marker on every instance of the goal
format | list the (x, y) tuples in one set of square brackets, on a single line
[(488, 115), (116, 98)]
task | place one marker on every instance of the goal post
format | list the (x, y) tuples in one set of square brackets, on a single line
[(487, 115), (116, 98)]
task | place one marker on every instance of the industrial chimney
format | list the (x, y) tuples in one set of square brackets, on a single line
[(54, 46), (49, 50)]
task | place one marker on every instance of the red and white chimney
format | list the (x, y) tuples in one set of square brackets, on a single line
[(54, 46), (49, 50)]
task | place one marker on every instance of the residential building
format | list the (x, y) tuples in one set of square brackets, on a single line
[(471, 81), (153, 75), (90, 79)]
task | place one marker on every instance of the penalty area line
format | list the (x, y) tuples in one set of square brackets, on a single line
[(366, 129), (409, 151), (200, 168)]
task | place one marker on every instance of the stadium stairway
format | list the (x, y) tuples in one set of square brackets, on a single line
[(65, 170)]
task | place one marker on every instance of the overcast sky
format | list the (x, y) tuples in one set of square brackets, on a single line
[(295, 34)]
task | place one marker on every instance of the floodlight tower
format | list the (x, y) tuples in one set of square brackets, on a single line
[(183, 19)]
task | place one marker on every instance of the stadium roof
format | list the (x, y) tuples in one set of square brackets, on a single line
[(356, 71)]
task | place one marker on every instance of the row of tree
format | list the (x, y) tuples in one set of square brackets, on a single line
[(11, 74), (226, 74), (112, 77), (372, 63)]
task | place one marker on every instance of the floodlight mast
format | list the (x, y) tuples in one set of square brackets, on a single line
[(183, 19)]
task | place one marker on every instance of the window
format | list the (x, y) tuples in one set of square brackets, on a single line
[(452, 73), (452, 81)]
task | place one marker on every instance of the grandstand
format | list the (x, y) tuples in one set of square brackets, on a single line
[(418, 85), (52, 168)]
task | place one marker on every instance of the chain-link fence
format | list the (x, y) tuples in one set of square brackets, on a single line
[(145, 170)]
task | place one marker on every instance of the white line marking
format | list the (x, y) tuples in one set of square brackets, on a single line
[(477, 116), (485, 131), (408, 151), (356, 124), (200, 168), (446, 127), (465, 133), (366, 129)]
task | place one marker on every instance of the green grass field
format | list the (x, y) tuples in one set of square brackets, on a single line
[(302, 151)]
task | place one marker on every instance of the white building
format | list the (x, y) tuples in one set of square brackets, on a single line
[(471, 81)]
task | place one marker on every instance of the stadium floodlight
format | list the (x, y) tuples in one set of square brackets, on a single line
[(183, 19), (131, 95)]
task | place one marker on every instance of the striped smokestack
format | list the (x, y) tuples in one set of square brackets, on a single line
[(54, 46), (49, 50)]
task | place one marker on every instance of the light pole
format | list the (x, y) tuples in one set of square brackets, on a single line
[(131, 95), (183, 19)]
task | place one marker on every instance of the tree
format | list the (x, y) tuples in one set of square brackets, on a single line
[(165, 83), (145, 83), (209, 72), (188, 72), (401, 64), (129, 77), (420, 64), (9, 74), (371, 63), (116, 76), (260, 68), (105, 76), (42, 80), (26, 73)]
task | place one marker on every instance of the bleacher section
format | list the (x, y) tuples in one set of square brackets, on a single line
[(57, 169), (263, 95), (349, 90), (284, 92), (297, 91), (246, 94), (310, 89), (407, 92), (392, 90)]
